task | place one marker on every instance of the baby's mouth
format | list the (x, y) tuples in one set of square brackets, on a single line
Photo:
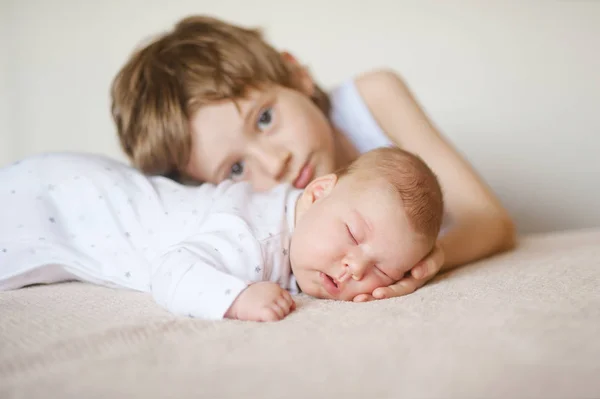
[(330, 285), (332, 280)]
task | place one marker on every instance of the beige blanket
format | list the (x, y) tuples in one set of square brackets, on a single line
[(521, 325)]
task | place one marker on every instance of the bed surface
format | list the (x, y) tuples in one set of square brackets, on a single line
[(523, 324)]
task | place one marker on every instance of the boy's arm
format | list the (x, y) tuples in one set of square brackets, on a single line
[(480, 225), (189, 280)]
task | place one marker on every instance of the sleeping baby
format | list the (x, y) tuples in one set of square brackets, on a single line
[(216, 251)]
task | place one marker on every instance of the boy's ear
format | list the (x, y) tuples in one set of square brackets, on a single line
[(288, 57), (320, 187), (307, 85)]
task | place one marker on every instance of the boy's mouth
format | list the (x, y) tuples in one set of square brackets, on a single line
[(304, 176), (329, 284)]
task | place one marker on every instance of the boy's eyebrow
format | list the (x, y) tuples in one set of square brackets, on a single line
[(249, 117), (246, 113), (218, 171), (251, 111), (256, 104)]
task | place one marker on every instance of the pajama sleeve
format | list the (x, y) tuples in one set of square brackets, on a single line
[(192, 280)]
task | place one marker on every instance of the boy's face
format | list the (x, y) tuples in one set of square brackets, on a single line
[(278, 135), (344, 229)]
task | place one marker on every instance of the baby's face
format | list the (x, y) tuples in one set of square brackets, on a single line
[(352, 238)]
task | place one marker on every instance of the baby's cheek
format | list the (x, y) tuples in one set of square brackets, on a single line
[(374, 284), (308, 285)]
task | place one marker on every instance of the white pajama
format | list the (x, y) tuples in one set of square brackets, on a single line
[(66, 216)]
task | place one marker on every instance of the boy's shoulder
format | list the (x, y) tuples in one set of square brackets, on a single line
[(371, 77), (377, 76), (356, 107), (365, 88), (378, 85)]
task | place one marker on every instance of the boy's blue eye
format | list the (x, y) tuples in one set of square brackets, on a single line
[(237, 169), (265, 119)]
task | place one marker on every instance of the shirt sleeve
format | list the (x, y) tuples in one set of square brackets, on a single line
[(192, 280)]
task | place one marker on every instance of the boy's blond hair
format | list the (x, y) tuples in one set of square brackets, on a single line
[(411, 178), (201, 61)]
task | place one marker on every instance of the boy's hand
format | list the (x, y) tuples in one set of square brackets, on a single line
[(420, 274), (263, 301)]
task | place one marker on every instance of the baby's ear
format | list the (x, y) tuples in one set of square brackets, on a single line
[(320, 187)]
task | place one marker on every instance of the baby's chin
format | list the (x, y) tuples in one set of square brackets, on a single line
[(316, 290), (309, 288), (312, 288)]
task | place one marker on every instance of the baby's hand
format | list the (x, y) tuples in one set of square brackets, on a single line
[(264, 301), (420, 274)]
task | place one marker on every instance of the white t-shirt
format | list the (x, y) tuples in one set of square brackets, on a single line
[(86, 217), (352, 117)]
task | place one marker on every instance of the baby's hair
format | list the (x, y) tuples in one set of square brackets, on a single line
[(411, 178), (201, 61)]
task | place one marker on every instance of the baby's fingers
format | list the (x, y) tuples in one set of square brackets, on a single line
[(270, 314), (280, 310), (406, 286), (384, 292), (284, 305), (288, 298), (429, 266), (363, 298)]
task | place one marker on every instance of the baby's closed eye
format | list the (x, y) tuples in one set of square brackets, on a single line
[(387, 279)]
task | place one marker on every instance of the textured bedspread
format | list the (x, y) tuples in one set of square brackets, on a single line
[(522, 325)]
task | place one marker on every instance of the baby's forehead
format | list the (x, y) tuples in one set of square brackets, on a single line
[(371, 180)]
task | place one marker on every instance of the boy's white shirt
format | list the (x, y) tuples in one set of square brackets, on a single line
[(87, 217)]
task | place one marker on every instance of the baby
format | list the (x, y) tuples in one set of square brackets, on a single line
[(215, 251)]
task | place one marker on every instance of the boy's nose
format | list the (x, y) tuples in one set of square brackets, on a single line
[(275, 161)]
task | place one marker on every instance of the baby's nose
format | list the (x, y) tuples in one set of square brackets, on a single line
[(345, 274), (348, 272)]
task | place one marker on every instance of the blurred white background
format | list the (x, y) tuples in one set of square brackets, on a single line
[(515, 85)]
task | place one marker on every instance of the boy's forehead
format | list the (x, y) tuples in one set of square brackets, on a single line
[(218, 129), (229, 113), (240, 104), (218, 121)]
